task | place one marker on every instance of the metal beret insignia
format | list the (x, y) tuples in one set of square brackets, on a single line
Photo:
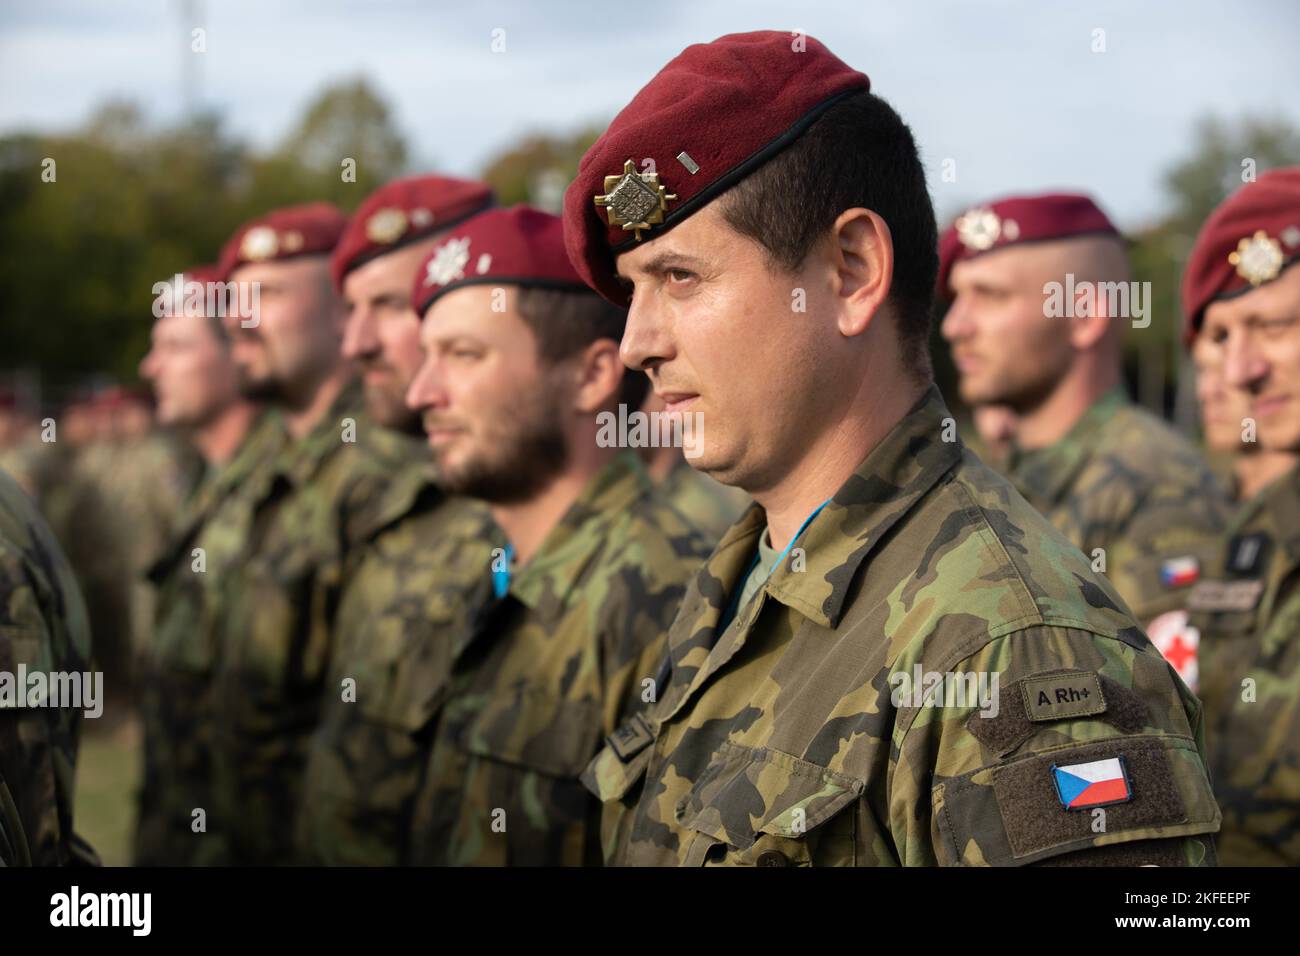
[(259, 243), (386, 226), (1258, 259), (448, 262), (634, 200), (980, 229)]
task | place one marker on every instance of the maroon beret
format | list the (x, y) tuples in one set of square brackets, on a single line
[(402, 212), (1247, 241), (1017, 219), (712, 116), (309, 230), (517, 246)]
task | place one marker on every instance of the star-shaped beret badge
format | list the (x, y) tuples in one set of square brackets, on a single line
[(634, 200), (1258, 258)]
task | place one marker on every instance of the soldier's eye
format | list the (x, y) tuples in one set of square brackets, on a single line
[(1275, 326)]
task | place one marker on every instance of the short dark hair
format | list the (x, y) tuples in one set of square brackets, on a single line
[(858, 153), (566, 322)]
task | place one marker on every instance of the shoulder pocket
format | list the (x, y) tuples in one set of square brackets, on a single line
[(534, 729), (762, 804)]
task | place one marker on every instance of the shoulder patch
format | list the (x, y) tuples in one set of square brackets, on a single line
[(1031, 802), (1014, 722), (1071, 694), (1246, 552), (1225, 595)]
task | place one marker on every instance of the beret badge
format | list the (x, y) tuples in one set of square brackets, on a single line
[(386, 225), (1258, 259), (448, 262), (258, 243), (981, 228), (634, 200)]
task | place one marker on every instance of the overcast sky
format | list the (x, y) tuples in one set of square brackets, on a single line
[(1012, 91)]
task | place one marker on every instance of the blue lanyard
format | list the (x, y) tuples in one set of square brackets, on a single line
[(501, 579), (740, 585)]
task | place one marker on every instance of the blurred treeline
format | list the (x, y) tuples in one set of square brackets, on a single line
[(131, 203)]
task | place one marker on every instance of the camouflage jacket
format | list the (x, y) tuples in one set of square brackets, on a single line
[(43, 630), (548, 669), (324, 498), (176, 667), (1124, 482), (1247, 613), (407, 593), (810, 731)]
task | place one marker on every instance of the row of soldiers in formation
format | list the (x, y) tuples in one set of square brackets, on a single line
[(419, 608)]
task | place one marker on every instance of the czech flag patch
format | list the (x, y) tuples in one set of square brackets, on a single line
[(1097, 783), (1179, 572)]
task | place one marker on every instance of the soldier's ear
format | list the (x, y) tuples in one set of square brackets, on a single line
[(598, 376), (1090, 323), (862, 255)]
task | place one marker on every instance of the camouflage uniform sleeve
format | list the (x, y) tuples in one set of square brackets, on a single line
[(1086, 751), (37, 757)]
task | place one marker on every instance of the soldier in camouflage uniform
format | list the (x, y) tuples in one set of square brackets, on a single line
[(321, 500), (891, 659), (1241, 300), (196, 387), (43, 628), (1137, 498), (406, 588), (571, 622)]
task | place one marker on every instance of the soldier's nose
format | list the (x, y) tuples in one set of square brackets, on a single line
[(424, 391), (359, 338), (645, 341)]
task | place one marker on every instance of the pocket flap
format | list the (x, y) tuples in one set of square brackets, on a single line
[(610, 776), (748, 791), (537, 730)]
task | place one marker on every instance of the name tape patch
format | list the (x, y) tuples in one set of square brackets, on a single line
[(1074, 694)]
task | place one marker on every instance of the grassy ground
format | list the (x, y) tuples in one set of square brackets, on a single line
[(108, 775)]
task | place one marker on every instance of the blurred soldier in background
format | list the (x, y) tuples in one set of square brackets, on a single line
[(521, 359), (196, 388), (1243, 465), (1132, 494), (1241, 301), (407, 587), (43, 628), (318, 505)]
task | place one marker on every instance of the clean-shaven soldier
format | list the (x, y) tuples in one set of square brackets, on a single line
[(893, 659)]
